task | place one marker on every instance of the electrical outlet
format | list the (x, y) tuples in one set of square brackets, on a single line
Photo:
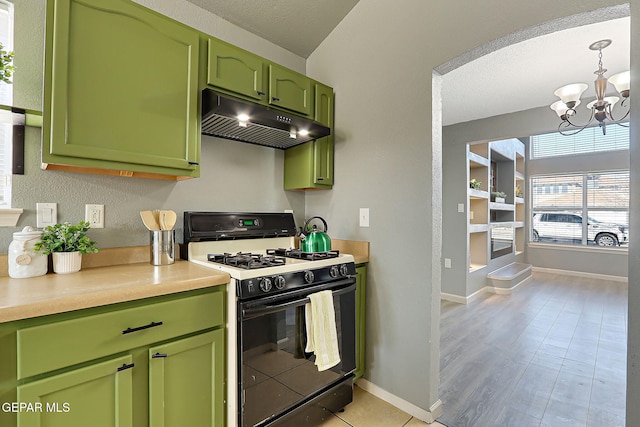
[(364, 217), (460, 207), (447, 263), (94, 215), (46, 214)]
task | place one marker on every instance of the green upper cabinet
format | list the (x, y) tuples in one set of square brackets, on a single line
[(235, 70), (310, 165), (121, 90), (290, 90)]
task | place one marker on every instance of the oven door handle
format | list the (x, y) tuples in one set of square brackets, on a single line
[(264, 309)]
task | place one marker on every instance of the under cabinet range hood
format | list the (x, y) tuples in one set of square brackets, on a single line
[(230, 118)]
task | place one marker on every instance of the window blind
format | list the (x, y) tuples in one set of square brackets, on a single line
[(589, 140)]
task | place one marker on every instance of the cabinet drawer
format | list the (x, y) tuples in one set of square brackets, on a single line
[(47, 347)]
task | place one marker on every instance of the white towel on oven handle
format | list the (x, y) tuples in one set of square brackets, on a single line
[(322, 337)]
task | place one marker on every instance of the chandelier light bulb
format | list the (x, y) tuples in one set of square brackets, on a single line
[(622, 82), (609, 100), (570, 94), (560, 108)]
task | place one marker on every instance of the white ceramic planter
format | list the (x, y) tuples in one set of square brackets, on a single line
[(67, 262)]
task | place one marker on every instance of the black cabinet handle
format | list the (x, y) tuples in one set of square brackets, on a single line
[(157, 355), (320, 178), (140, 328), (125, 366), (194, 163), (260, 93), (275, 99)]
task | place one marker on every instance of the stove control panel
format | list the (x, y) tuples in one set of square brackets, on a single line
[(284, 282)]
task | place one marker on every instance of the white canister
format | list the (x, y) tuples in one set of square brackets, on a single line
[(24, 261)]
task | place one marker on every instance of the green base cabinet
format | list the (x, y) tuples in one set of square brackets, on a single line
[(361, 288), (154, 362), (121, 90), (186, 382), (309, 166), (99, 395)]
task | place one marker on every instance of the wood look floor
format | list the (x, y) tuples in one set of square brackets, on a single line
[(551, 354)]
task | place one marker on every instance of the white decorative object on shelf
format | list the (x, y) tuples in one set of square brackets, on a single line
[(66, 262)]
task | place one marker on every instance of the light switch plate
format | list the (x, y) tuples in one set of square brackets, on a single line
[(461, 207), (364, 217), (46, 214), (447, 263)]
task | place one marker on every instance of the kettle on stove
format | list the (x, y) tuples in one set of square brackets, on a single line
[(314, 240)]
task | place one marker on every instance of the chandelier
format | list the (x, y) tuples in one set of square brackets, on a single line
[(602, 107)]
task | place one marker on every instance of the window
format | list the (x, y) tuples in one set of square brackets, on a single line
[(6, 98), (593, 210), (589, 140)]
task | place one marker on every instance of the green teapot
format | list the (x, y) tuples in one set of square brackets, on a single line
[(315, 240)]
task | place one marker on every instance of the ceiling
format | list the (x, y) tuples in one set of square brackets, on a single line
[(524, 75), (296, 25), (517, 77)]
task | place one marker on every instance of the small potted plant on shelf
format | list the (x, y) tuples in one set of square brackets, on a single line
[(498, 196), (475, 184), (519, 192), (6, 69), (67, 243)]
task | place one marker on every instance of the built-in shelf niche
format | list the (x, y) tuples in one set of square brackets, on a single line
[(478, 245)]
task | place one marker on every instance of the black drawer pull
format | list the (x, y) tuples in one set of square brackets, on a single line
[(157, 355), (260, 93), (125, 366), (140, 328), (275, 98), (194, 163)]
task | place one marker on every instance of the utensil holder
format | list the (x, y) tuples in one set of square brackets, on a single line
[(163, 247)]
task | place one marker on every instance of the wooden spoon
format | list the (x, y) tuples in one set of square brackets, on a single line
[(169, 220), (149, 220)]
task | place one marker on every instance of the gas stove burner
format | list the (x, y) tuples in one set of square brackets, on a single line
[(298, 254), (247, 260)]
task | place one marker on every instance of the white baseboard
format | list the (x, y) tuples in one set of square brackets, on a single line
[(582, 274), (428, 416), (496, 290)]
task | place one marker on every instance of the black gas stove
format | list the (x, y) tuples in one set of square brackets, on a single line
[(247, 260)]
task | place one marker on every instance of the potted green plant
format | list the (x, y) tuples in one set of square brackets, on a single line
[(475, 184), (6, 69), (519, 191), (67, 243), (498, 196)]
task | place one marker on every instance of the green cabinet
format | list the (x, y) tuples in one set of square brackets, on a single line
[(361, 288), (121, 90), (290, 90), (310, 165), (235, 70), (99, 395), (159, 362), (196, 365)]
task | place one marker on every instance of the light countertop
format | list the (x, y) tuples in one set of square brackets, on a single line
[(92, 287)]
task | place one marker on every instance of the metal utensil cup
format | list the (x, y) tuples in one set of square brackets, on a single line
[(163, 247)]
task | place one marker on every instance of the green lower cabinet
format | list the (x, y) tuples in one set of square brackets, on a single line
[(98, 395), (361, 288), (310, 165), (186, 382), (121, 90)]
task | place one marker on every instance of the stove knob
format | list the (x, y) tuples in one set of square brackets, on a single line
[(344, 270), (279, 281), (308, 276), (334, 271), (265, 284)]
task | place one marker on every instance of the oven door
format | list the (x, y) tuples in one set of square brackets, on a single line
[(276, 375)]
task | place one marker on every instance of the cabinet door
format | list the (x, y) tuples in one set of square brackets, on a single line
[(323, 161), (234, 69), (121, 86), (98, 395), (186, 382), (361, 288), (290, 90), (324, 105)]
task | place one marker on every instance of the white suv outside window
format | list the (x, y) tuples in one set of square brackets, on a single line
[(567, 226)]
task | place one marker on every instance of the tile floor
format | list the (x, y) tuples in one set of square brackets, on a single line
[(370, 411)]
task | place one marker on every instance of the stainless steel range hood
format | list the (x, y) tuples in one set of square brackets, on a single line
[(230, 118)]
